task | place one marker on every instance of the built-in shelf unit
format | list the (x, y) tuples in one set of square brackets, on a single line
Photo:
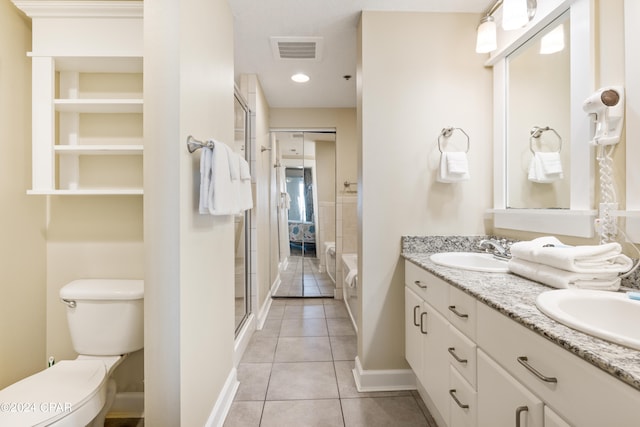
[(87, 97)]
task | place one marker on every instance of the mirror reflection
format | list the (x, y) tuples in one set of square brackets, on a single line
[(241, 222), (538, 125), (305, 178)]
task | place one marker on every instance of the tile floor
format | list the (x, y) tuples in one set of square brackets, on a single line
[(303, 275), (297, 372)]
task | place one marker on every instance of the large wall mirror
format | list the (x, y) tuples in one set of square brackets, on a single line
[(538, 120), (306, 191), (540, 126)]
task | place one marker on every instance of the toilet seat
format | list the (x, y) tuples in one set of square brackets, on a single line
[(69, 389)]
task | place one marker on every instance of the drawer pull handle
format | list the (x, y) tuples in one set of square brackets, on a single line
[(419, 284), (519, 411), (414, 315), (452, 351), (452, 393), (523, 360), (452, 308), (423, 322)]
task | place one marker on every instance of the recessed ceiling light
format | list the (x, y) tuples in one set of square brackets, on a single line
[(300, 78)]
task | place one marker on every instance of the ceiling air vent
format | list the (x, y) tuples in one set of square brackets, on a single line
[(297, 48)]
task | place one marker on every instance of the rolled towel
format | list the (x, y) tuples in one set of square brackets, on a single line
[(548, 250), (561, 279), (454, 167), (545, 167)]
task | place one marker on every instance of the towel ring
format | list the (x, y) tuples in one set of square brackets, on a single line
[(447, 132), (537, 131)]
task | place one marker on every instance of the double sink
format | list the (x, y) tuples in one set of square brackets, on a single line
[(611, 316)]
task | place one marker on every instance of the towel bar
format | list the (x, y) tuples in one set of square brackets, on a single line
[(193, 144)]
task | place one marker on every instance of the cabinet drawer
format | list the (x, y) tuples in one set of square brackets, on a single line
[(462, 352), (432, 289), (461, 312), (463, 398), (581, 393), (551, 419)]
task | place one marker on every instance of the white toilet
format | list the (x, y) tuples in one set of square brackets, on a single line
[(106, 323)]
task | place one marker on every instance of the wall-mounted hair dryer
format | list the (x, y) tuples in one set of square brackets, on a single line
[(607, 104)]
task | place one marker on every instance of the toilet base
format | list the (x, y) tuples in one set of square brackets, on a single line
[(98, 421)]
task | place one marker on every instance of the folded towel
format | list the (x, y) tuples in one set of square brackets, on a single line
[(245, 169), (545, 167), (222, 197), (205, 179), (234, 164), (607, 258), (454, 167), (557, 278)]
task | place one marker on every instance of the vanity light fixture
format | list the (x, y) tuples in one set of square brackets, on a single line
[(515, 14), (486, 40), (553, 41), (300, 78)]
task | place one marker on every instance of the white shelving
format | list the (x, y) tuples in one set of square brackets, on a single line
[(87, 97)]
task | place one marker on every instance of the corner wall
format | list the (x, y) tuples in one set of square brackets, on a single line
[(418, 73), (189, 258), (22, 217)]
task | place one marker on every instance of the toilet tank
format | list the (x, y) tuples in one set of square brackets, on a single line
[(105, 316)]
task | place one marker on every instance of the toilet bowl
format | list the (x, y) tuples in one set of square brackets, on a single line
[(105, 319)]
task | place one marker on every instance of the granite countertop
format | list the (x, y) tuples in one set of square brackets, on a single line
[(515, 297)]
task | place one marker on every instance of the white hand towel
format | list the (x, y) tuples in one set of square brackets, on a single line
[(454, 167), (607, 258), (245, 194), (222, 199), (205, 179), (561, 279), (234, 164), (350, 278), (545, 168)]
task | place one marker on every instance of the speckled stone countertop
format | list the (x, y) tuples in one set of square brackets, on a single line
[(515, 297)]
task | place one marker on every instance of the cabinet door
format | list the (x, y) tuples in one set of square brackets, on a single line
[(551, 419), (503, 401), (413, 336), (463, 401), (435, 367)]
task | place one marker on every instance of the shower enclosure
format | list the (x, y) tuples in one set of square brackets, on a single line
[(305, 206)]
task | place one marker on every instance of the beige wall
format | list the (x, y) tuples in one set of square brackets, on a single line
[(404, 101), (189, 309), (22, 217)]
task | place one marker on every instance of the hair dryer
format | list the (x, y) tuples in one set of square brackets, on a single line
[(607, 104)]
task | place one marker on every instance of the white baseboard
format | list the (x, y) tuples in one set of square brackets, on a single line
[(225, 399), (243, 338), (383, 379), (275, 286), (127, 405)]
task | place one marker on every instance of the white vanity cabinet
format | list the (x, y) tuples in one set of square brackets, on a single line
[(498, 372), (87, 97), (503, 401), (442, 356)]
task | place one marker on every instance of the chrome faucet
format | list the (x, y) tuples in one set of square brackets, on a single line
[(499, 249)]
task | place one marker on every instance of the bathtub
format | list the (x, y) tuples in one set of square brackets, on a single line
[(351, 286)]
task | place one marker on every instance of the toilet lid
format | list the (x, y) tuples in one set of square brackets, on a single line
[(50, 394)]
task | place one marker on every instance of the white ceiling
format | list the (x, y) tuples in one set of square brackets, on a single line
[(333, 20)]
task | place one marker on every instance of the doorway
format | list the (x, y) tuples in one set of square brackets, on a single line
[(305, 208)]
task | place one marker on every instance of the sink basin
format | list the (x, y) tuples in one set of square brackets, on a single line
[(611, 316), (470, 261)]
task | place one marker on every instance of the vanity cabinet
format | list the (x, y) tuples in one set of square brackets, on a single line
[(442, 356), (481, 368), (87, 97)]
